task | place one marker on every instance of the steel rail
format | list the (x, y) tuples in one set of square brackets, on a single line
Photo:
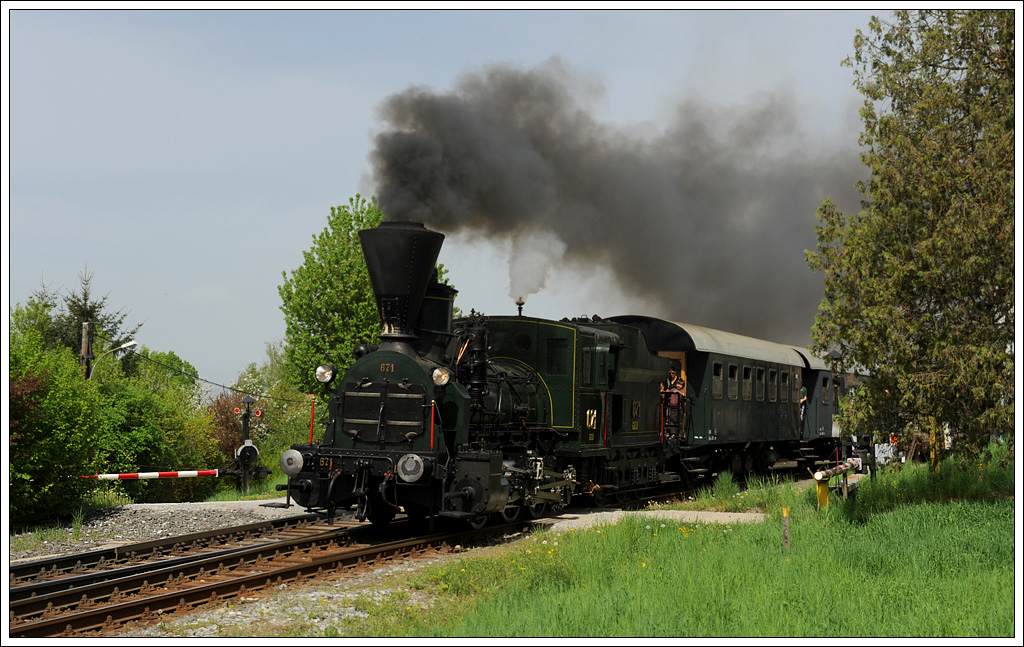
[(40, 589), (56, 566), (115, 584), (115, 613)]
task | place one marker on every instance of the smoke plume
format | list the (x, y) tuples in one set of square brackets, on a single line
[(707, 220)]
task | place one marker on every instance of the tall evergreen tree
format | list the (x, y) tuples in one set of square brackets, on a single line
[(59, 318), (919, 285)]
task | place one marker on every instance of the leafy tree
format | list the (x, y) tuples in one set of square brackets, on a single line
[(55, 425), (156, 420), (64, 426), (286, 410), (919, 284), (227, 425), (168, 428), (328, 301)]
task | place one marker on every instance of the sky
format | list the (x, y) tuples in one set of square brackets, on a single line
[(186, 159)]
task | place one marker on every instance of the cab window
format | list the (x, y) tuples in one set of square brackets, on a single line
[(558, 356)]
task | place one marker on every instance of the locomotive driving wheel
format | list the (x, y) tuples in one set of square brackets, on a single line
[(536, 510), (602, 497), (509, 513)]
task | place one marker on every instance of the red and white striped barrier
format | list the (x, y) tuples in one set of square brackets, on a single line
[(853, 463), (130, 476)]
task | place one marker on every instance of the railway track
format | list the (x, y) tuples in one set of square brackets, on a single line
[(55, 568), (103, 592), (149, 583)]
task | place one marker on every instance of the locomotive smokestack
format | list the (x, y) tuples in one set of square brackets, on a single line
[(400, 258)]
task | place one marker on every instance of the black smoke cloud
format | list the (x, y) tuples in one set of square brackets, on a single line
[(707, 220)]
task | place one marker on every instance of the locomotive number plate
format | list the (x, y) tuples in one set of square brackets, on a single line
[(326, 464)]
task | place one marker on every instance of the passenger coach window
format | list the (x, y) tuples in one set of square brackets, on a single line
[(747, 380), (824, 391), (734, 374), (773, 385), (784, 391), (558, 356), (716, 381), (760, 385)]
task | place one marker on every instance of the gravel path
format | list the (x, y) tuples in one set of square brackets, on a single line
[(140, 522)]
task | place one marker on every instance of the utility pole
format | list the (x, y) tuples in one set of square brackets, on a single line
[(86, 357)]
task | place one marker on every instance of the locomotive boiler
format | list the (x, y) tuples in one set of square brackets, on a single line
[(496, 417)]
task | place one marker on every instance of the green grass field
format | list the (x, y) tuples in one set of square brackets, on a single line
[(912, 554)]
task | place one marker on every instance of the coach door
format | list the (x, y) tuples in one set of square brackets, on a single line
[(674, 409)]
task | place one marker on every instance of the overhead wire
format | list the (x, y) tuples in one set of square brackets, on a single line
[(200, 379)]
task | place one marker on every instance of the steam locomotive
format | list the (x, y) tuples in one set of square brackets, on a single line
[(489, 417)]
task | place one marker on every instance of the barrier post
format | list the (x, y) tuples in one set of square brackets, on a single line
[(785, 527), (821, 477)]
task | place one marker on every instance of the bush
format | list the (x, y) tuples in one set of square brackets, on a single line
[(55, 425)]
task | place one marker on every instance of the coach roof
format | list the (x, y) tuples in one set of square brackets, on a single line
[(665, 335)]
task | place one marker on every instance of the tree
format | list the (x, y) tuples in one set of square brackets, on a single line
[(55, 424), (157, 420), (59, 318), (328, 301), (919, 285), (286, 410)]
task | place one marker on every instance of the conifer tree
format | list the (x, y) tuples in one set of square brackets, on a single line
[(919, 285)]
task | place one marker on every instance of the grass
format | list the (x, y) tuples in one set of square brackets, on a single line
[(929, 570), (725, 495), (258, 490), (911, 554), (646, 579), (36, 537)]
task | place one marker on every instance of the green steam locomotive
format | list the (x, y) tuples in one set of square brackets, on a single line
[(485, 418)]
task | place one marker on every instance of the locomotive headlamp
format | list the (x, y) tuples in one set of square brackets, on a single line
[(411, 467), (441, 376), (291, 462), (324, 373)]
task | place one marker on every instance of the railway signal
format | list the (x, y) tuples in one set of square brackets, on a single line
[(247, 454)]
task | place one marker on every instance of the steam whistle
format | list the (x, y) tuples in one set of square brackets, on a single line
[(520, 302)]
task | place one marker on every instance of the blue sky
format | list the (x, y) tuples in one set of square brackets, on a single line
[(187, 158)]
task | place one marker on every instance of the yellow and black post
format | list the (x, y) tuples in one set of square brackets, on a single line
[(821, 478)]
